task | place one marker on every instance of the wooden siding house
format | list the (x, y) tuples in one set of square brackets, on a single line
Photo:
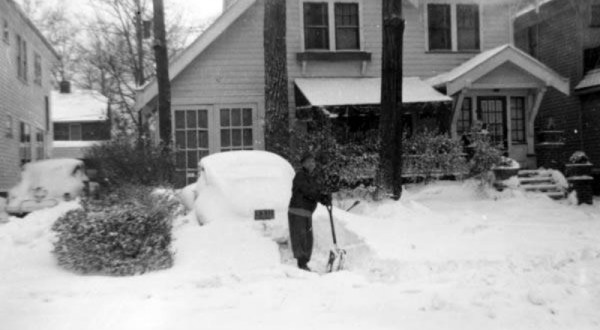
[(457, 54), (565, 35), (25, 85)]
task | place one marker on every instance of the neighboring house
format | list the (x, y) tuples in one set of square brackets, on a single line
[(25, 85), (81, 119), (334, 48), (565, 35)]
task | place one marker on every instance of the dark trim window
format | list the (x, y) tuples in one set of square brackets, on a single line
[(93, 131), (595, 15), (236, 129), (5, 32), (347, 28), (467, 27), (440, 26), (21, 58), (316, 26), (591, 59), (25, 146), (464, 119), (37, 69), (517, 115)]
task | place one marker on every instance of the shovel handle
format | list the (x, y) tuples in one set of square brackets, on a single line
[(330, 210)]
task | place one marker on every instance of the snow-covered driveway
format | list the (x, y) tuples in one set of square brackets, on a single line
[(448, 256)]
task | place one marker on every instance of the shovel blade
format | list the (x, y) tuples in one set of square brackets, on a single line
[(336, 260)]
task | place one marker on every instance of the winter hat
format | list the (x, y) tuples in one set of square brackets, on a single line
[(305, 156)]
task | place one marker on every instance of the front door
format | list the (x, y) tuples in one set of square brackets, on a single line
[(191, 142), (492, 112)]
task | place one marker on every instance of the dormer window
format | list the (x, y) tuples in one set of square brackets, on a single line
[(331, 21), (453, 27)]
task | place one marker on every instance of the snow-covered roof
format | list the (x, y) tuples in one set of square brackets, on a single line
[(591, 79), (483, 63), (532, 7), (79, 106), (363, 91), (147, 92)]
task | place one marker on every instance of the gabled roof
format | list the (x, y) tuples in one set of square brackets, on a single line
[(591, 81), (147, 92), (534, 6), (79, 106), (468, 72)]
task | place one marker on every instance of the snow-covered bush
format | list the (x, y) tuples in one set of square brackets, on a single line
[(428, 153), (579, 157), (485, 155), (119, 235), (122, 161)]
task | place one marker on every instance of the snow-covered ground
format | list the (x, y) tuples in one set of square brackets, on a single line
[(447, 256)]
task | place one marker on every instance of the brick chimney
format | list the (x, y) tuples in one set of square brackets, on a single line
[(227, 4), (65, 87)]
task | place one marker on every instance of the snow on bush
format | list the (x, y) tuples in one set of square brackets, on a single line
[(120, 236)]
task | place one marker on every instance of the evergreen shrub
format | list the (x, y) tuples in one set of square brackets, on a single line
[(124, 234)]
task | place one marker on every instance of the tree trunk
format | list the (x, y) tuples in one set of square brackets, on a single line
[(140, 47), (276, 78), (162, 73), (389, 174)]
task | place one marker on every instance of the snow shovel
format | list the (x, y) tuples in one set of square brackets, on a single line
[(337, 256)]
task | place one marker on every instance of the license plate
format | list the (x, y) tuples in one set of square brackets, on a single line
[(264, 214)]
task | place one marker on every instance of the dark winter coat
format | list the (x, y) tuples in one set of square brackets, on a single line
[(306, 193)]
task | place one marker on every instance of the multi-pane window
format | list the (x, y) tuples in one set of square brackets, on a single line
[(21, 58), (25, 146), (492, 112), (93, 131), (591, 59), (595, 15), (9, 126), (39, 147), (236, 129), (5, 32), (467, 27), (453, 27), (464, 119), (37, 68), (191, 140), (440, 27), (346, 26), (517, 115), (316, 26)]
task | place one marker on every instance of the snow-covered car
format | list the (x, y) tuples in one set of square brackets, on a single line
[(245, 186), (45, 183)]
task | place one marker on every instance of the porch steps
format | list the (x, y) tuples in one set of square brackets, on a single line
[(541, 182)]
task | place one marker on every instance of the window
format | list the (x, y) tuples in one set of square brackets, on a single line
[(327, 20), (93, 131), (40, 147), (37, 68), (316, 26), (191, 141), (21, 58), (453, 27), (595, 15), (467, 27), (5, 32), (464, 119), (440, 34), (346, 26), (517, 115), (9, 126), (75, 132), (25, 146), (236, 129), (61, 132), (591, 59), (47, 111)]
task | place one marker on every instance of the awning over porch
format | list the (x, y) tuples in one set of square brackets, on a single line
[(363, 91), (589, 83), (502, 67)]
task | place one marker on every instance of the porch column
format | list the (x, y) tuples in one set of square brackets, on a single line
[(531, 120), (456, 113)]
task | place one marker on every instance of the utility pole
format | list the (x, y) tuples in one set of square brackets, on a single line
[(162, 73), (140, 46), (389, 174)]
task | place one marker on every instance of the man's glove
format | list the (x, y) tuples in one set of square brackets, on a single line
[(326, 199)]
